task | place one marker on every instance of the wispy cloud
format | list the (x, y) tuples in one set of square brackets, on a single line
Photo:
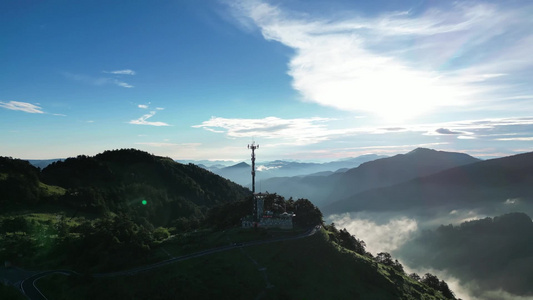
[(22, 106), (143, 120), (522, 139), (447, 136), (122, 84), (98, 81), (294, 131), (370, 64), (143, 106), (446, 131), (121, 72), (483, 128), (167, 144)]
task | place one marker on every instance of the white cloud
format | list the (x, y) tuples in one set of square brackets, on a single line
[(143, 120), (22, 106), (466, 137), (147, 106), (122, 84), (511, 201), (98, 81), (378, 237), (369, 64), (295, 131), (481, 128), (522, 139), (307, 131), (121, 72), (166, 144), (262, 168)]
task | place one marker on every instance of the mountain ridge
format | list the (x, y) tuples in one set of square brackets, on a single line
[(323, 190), (491, 180)]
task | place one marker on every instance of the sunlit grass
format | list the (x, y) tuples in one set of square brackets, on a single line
[(51, 190)]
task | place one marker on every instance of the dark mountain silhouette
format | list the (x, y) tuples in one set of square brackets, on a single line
[(19, 182), (323, 190), (493, 252), (117, 181), (479, 184)]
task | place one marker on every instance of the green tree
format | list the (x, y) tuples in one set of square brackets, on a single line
[(350, 242), (161, 233), (386, 259), (307, 214), (415, 276), (431, 280)]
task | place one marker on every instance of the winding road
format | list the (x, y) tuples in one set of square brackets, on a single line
[(28, 287)]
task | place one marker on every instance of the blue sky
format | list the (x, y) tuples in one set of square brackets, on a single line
[(307, 80)]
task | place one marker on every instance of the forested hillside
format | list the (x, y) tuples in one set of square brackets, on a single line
[(120, 181), (103, 211)]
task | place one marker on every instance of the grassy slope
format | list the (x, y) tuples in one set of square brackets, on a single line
[(310, 268), (50, 190)]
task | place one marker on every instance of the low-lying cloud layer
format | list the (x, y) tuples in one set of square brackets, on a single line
[(385, 237), (409, 235)]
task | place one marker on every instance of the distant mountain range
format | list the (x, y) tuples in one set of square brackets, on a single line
[(43, 163), (323, 189), (240, 173), (490, 183)]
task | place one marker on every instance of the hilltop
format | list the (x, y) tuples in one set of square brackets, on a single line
[(126, 209), (117, 182)]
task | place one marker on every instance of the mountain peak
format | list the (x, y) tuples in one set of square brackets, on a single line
[(420, 150), (239, 165)]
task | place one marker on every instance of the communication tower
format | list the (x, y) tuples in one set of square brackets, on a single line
[(253, 146)]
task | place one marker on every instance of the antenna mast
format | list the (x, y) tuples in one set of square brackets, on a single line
[(253, 146)]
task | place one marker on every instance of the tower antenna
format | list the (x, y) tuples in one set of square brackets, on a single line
[(253, 146)]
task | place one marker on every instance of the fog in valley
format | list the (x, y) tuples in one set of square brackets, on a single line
[(471, 262)]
